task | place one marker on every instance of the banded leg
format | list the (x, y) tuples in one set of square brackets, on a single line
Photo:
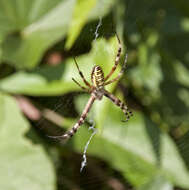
[(119, 103), (120, 73), (116, 60), (81, 74), (74, 129), (82, 87)]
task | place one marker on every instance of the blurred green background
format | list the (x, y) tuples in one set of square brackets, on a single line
[(38, 40)]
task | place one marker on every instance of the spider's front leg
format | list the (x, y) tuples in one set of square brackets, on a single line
[(119, 103), (81, 74), (120, 73), (82, 87), (116, 60), (74, 129)]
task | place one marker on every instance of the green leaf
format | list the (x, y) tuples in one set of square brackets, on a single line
[(185, 24), (101, 9), (157, 183), (44, 81), (85, 11), (182, 74), (23, 165), (37, 32), (82, 10)]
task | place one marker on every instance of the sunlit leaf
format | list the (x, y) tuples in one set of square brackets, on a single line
[(85, 11), (182, 74), (36, 32), (80, 17), (157, 183)]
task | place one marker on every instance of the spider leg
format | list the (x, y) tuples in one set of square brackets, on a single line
[(85, 89), (120, 73), (74, 129), (119, 103), (81, 74), (116, 60)]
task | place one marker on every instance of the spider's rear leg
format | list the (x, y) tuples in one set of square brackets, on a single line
[(74, 129), (119, 103)]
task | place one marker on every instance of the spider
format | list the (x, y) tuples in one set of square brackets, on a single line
[(97, 91)]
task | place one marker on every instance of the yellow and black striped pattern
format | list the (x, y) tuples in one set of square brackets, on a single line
[(97, 77)]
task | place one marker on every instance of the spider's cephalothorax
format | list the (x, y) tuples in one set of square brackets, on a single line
[(97, 91)]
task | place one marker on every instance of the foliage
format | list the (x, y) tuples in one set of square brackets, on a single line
[(38, 40)]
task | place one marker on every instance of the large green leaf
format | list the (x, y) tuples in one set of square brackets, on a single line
[(36, 84), (23, 165), (17, 14), (39, 25)]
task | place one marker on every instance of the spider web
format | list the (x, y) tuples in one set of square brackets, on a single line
[(112, 178)]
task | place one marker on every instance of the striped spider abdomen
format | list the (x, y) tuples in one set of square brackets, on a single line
[(97, 77)]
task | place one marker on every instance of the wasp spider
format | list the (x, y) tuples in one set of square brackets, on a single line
[(97, 91)]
